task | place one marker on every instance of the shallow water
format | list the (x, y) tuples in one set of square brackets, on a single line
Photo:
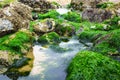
[(51, 65)]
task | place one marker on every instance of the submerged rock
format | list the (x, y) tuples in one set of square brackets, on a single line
[(21, 62)]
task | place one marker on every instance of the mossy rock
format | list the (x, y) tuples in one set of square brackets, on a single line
[(49, 38), (91, 35), (113, 22), (115, 38), (108, 42), (51, 14), (72, 16), (87, 65), (65, 29), (17, 42), (43, 26), (104, 48)]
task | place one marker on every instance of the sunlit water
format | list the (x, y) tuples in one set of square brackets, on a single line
[(62, 10), (51, 65)]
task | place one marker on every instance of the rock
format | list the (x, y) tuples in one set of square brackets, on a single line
[(65, 29), (2, 69), (6, 58), (22, 10), (21, 62), (5, 27), (14, 17), (83, 4), (96, 15), (38, 5), (44, 26)]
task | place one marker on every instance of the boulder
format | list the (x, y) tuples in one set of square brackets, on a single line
[(44, 26), (83, 4), (96, 15), (14, 17), (38, 5)]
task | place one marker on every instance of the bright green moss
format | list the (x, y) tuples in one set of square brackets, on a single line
[(51, 14), (75, 25), (104, 48), (114, 40), (87, 65), (15, 42), (72, 16)]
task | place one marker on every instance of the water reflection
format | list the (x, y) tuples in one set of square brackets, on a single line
[(48, 64)]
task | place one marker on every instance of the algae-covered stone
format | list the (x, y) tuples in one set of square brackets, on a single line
[(87, 65), (65, 29), (49, 38), (15, 43)]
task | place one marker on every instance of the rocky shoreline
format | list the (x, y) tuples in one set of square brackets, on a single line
[(23, 22)]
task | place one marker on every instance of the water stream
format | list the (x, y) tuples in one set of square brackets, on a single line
[(51, 65)]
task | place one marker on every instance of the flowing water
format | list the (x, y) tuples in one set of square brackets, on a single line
[(62, 10), (51, 65)]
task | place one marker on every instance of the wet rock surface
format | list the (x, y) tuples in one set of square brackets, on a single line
[(14, 17)]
